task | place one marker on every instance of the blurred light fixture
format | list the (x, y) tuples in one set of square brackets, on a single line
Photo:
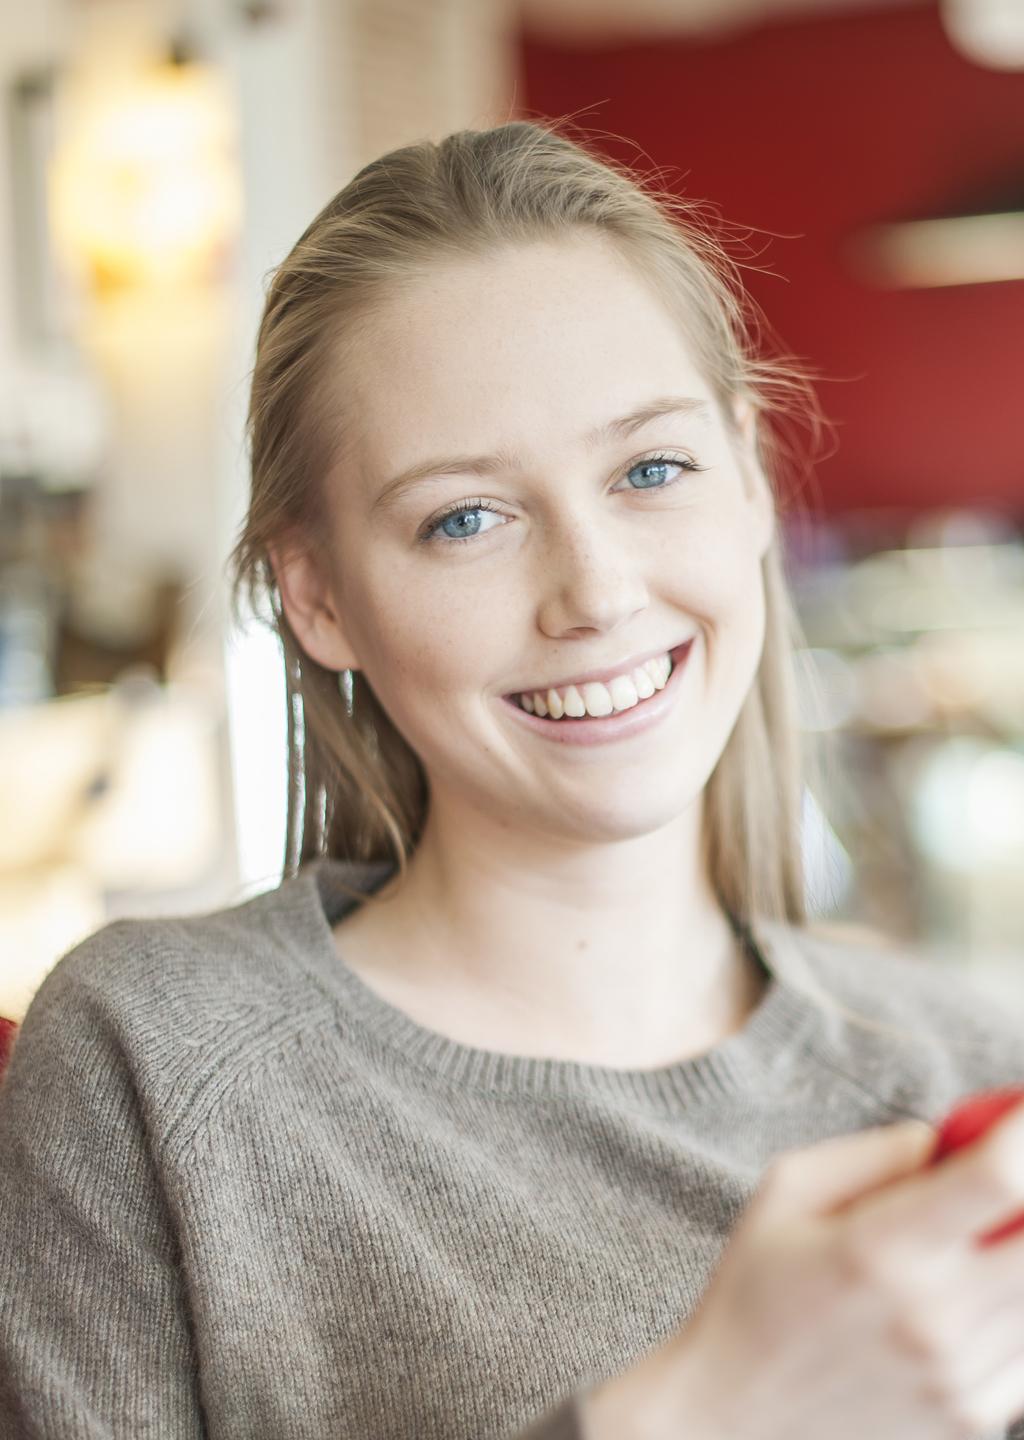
[(145, 184), (953, 250), (990, 32), (978, 239)]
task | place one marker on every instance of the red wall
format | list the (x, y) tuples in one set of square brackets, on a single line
[(811, 129)]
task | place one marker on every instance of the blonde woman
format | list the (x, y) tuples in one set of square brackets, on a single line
[(529, 1104)]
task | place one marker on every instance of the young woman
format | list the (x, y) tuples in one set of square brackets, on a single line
[(529, 1104)]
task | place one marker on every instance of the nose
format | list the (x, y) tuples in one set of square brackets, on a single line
[(590, 580)]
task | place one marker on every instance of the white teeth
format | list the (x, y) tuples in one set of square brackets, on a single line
[(574, 705), (645, 686), (596, 699)]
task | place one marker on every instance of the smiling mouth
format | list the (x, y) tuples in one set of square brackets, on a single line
[(570, 708), (658, 656)]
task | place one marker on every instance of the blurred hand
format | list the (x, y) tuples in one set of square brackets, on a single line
[(853, 1299)]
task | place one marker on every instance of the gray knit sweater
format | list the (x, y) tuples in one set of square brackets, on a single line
[(243, 1196)]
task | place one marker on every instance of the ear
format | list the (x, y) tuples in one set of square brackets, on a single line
[(755, 483), (309, 606)]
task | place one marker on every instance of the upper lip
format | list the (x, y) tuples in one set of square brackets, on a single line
[(624, 667)]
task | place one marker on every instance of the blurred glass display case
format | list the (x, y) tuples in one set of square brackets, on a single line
[(913, 681), (114, 796)]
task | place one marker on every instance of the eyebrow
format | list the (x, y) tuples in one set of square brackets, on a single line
[(621, 428)]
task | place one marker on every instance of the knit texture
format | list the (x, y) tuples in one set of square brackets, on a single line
[(243, 1197)]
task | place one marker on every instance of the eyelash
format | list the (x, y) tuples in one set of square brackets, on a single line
[(429, 534)]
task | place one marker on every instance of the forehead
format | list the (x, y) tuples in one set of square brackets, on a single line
[(527, 348)]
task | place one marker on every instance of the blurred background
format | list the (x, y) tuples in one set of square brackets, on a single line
[(157, 160)]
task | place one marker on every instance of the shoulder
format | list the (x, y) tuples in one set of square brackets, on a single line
[(912, 981), (901, 1014), (203, 967), (175, 1007)]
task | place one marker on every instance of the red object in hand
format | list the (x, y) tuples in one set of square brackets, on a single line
[(968, 1122)]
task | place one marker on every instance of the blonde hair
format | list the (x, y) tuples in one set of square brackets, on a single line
[(355, 788)]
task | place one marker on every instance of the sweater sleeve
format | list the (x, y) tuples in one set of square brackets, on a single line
[(94, 1332)]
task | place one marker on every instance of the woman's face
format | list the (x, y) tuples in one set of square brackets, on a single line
[(587, 555)]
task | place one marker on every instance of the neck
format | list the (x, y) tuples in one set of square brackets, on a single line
[(617, 954)]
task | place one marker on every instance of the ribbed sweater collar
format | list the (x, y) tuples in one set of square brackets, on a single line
[(762, 1054)]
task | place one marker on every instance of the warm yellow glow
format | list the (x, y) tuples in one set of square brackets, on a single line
[(145, 185), (43, 912)]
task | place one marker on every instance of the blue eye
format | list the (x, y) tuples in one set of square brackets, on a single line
[(465, 507), (474, 507), (659, 462)]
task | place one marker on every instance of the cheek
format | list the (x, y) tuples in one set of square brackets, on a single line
[(719, 572), (445, 621), (425, 647)]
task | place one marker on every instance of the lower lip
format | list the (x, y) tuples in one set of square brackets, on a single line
[(622, 724)]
